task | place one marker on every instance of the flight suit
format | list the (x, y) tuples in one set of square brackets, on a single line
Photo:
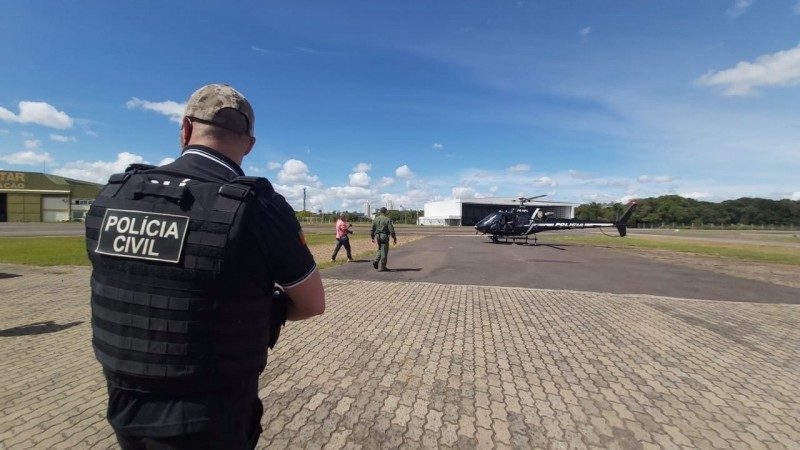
[(382, 229)]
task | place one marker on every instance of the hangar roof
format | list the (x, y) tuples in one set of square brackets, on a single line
[(16, 181)]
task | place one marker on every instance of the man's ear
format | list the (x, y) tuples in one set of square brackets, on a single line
[(186, 132), (250, 146)]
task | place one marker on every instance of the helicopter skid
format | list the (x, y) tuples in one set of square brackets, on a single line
[(496, 239)]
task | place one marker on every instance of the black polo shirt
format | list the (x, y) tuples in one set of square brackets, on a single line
[(279, 238)]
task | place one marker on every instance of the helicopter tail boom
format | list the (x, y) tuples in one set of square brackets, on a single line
[(622, 223)]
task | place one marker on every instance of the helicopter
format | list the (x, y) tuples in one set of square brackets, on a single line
[(519, 223)]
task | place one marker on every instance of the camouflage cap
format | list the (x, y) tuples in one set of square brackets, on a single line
[(223, 106)]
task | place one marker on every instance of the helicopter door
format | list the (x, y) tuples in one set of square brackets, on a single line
[(509, 221)]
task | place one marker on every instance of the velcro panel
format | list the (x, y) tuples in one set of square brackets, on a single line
[(149, 346), (145, 369), (149, 323), (151, 300), (160, 190)]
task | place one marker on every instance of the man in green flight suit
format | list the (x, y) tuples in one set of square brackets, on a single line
[(382, 228)]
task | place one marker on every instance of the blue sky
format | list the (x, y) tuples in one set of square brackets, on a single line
[(418, 101)]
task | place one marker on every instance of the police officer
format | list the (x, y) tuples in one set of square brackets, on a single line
[(382, 228), (185, 262)]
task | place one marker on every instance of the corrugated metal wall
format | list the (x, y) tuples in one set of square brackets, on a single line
[(24, 207)]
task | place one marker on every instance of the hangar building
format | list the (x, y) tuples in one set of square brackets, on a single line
[(41, 197), (457, 212)]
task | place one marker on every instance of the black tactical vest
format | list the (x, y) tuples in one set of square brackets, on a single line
[(180, 293)]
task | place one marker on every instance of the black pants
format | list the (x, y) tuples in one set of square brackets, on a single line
[(235, 423), (342, 241), (203, 440)]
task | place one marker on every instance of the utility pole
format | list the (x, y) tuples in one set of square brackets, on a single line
[(304, 199)]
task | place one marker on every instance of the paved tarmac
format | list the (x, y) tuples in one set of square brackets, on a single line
[(473, 259), (441, 365)]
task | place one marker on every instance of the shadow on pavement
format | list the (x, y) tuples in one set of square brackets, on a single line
[(37, 328), (8, 275), (404, 270)]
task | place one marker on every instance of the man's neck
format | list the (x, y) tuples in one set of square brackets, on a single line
[(233, 154)]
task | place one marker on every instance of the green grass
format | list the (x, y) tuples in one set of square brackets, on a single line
[(319, 238), (44, 251), (745, 252), (329, 238), (71, 251), (56, 251)]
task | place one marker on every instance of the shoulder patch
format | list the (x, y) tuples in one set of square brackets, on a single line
[(142, 235)]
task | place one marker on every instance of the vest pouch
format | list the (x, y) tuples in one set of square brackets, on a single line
[(177, 194)]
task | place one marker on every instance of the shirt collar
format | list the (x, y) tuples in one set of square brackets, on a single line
[(213, 155)]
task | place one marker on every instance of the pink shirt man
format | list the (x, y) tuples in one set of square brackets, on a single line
[(341, 228)]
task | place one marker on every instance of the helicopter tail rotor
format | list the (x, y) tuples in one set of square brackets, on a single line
[(622, 223)]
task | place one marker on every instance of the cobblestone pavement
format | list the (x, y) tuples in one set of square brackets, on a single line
[(418, 364)]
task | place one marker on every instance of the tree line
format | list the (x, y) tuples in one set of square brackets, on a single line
[(687, 211)]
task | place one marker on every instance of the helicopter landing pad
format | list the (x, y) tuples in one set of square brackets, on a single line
[(441, 365), (473, 260)]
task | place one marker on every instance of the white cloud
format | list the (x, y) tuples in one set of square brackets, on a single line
[(545, 181), (173, 110), (272, 165), (296, 171), (28, 158), (795, 195), (796, 8), (654, 178), (493, 190), (253, 169), (463, 192), (773, 69), (31, 144), (627, 199), (4, 131), (362, 167), (263, 50), (359, 179), (91, 133), (166, 161), (437, 146), (40, 113), (519, 168), (98, 171), (585, 31), (578, 175), (315, 198), (62, 138), (386, 182), (403, 172), (739, 7), (350, 192), (696, 195)]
